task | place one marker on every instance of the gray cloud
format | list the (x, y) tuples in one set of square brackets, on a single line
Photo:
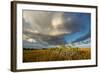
[(46, 22)]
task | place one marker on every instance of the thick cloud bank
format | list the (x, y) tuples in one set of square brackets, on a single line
[(46, 29)]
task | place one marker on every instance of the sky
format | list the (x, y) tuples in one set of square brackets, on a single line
[(51, 28)]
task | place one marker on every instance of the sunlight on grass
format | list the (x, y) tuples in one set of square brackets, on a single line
[(56, 54)]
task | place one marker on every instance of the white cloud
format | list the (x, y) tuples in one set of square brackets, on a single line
[(31, 40)]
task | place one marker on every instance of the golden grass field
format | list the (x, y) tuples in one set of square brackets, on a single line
[(56, 54)]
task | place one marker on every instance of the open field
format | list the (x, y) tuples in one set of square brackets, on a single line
[(56, 54)]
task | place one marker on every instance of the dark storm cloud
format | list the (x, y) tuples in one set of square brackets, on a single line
[(72, 22), (79, 21)]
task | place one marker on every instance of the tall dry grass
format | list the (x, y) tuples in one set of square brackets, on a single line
[(56, 54)]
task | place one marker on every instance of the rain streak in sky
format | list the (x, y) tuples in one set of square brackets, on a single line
[(49, 28)]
